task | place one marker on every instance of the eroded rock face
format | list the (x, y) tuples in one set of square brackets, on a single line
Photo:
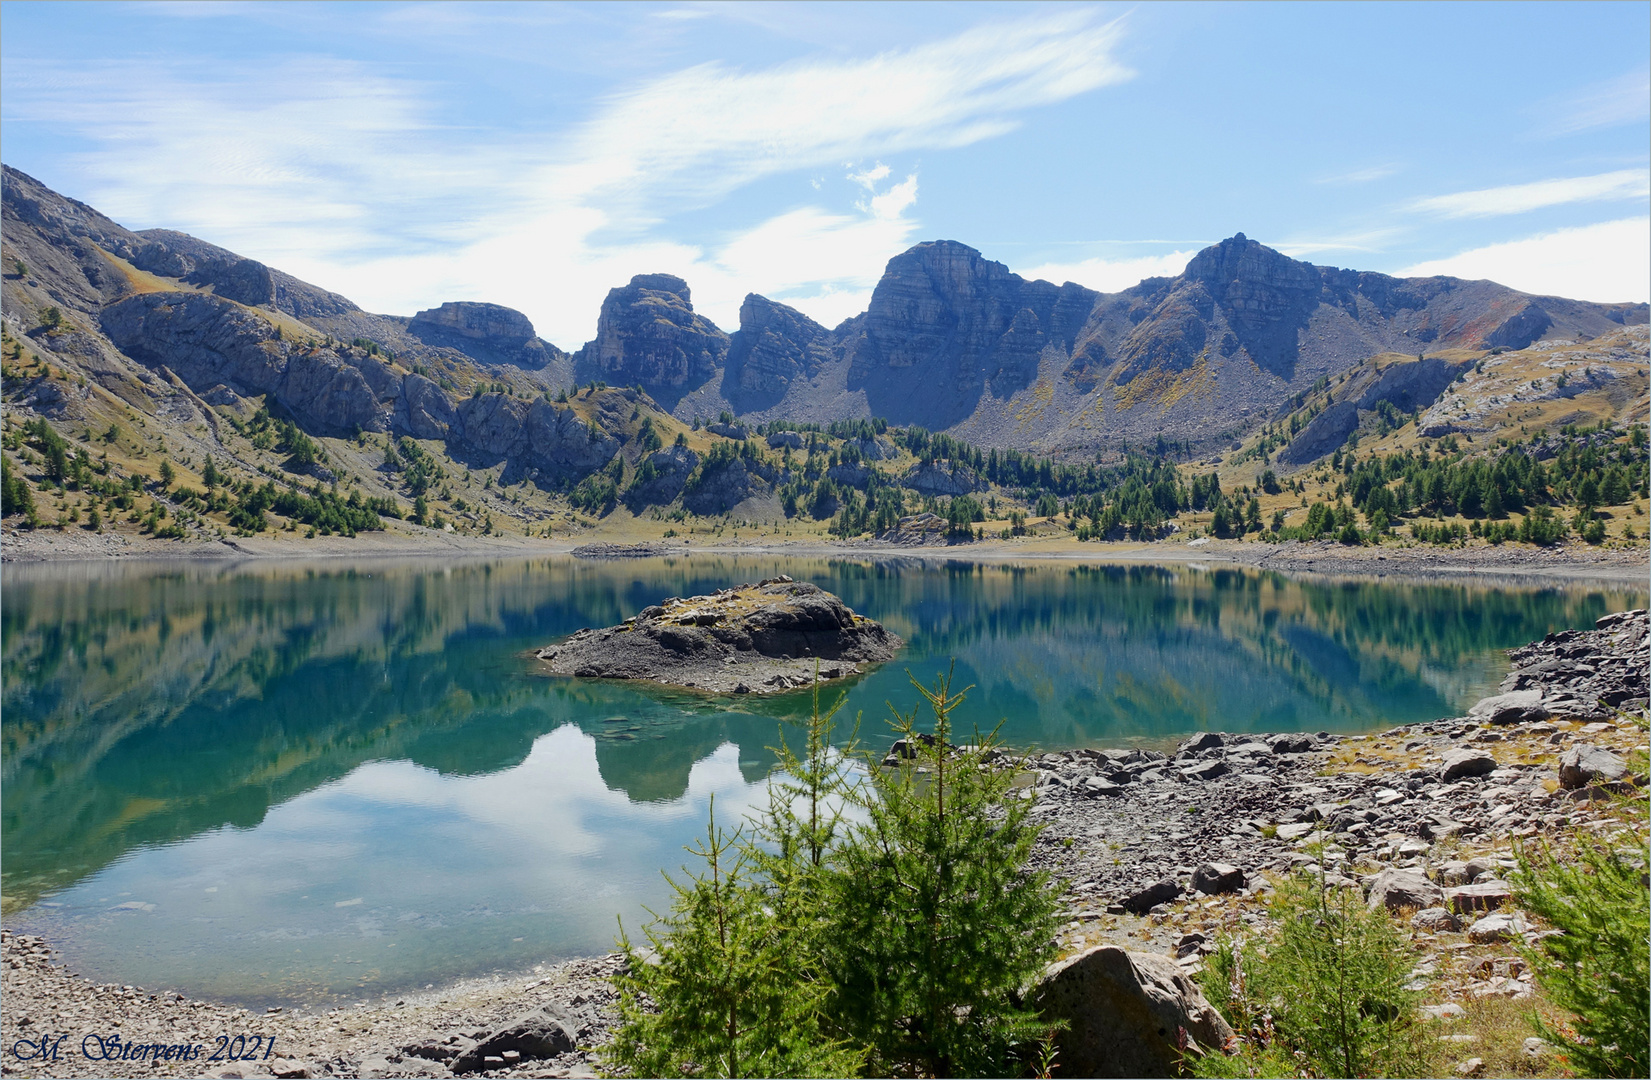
[(720, 488), (648, 334), (490, 333), (209, 341), (948, 321), (660, 477), (1124, 1013), (542, 441), (774, 346), (761, 638), (937, 479), (1415, 384)]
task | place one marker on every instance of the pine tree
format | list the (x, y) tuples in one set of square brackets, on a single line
[(936, 923), (726, 988), (1598, 968)]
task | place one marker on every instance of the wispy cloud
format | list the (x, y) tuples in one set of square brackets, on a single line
[(352, 175), (1609, 262), (1625, 99), (1370, 240), (1523, 198), (1361, 176)]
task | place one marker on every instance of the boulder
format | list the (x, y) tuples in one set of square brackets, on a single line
[(1400, 890), (542, 1033), (1209, 740), (1290, 743), (1586, 763), (1206, 770), (1480, 896), (1161, 892), (1435, 920), (1518, 707), (1497, 926), (1467, 761), (1125, 1013), (1214, 878)]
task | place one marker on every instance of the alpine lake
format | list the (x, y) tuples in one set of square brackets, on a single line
[(319, 782)]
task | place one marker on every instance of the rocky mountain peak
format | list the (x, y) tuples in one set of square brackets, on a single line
[(479, 321), (774, 345), (1241, 263), (491, 333), (662, 283), (648, 334)]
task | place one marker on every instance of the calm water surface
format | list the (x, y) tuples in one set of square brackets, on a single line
[(284, 783)]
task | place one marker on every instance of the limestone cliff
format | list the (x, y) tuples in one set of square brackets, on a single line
[(490, 333), (649, 335)]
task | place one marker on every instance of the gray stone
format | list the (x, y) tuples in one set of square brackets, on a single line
[(1216, 878), (1124, 1013), (1497, 926), (1290, 743), (1480, 896), (1585, 764), (1161, 892), (1466, 761), (1401, 890), (1517, 707), (542, 1033), (1209, 740), (1295, 830), (1206, 770), (1435, 920)]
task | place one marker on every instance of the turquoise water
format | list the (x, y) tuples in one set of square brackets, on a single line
[(320, 782)]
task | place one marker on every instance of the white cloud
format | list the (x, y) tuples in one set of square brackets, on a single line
[(1523, 198), (381, 200), (867, 178), (1609, 262), (1625, 99), (1110, 275)]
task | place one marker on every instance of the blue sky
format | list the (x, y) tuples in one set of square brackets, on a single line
[(537, 155)]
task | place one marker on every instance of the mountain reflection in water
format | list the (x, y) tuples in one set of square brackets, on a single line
[(379, 726)]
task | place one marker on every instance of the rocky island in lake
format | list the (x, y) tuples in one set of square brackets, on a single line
[(776, 635)]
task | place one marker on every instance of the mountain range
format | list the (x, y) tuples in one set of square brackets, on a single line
[(174, 327)]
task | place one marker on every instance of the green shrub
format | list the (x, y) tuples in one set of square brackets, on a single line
[(936, 923), (727, 993), (1598, 967), (1326, 994), (881, 925)]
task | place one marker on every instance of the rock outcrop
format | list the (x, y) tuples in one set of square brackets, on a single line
[(775, 346), (490, 333), (1587, 673), (762, 639), (649, 335), (957, 325), (1407, 386), (661, 477), (209, 341)]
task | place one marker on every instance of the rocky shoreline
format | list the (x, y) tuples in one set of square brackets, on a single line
[(1162, 852), (766, 638)]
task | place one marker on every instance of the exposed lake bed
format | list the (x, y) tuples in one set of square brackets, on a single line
[(397, 751)]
